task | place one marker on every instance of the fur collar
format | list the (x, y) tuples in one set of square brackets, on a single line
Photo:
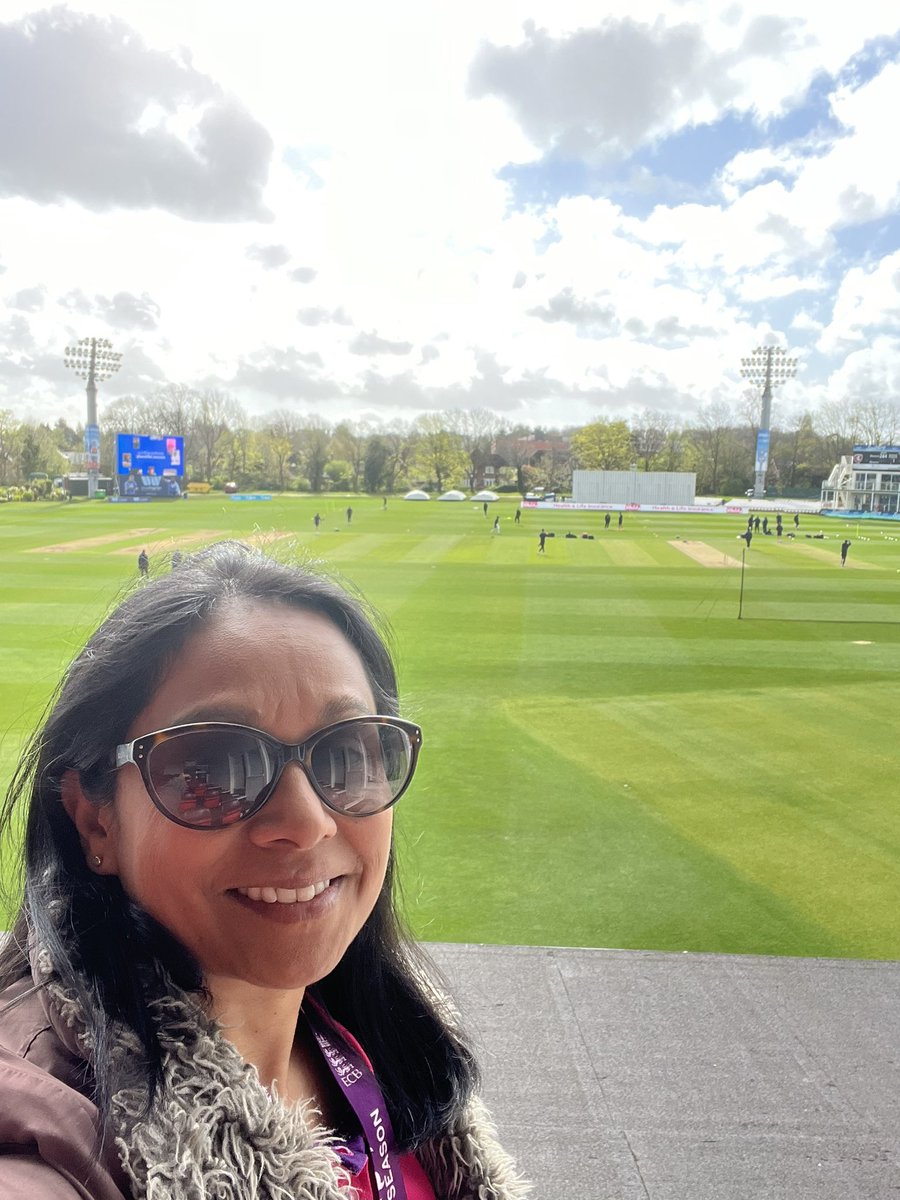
[(214, 1131)]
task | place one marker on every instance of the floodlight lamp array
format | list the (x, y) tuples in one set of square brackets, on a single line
[(768, 364), (93, 358)]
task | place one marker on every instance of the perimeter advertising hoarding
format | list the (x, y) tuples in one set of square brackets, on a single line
[(148, 455)]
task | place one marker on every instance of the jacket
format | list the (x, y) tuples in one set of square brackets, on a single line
[(48, 1126), (49, 1129)]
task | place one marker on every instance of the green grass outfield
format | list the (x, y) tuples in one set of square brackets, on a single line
[(611, 757)]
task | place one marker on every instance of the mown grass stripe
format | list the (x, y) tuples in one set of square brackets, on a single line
[(759, 815)]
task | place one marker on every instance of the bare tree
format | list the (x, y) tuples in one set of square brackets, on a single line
[(555, 467), (477, 428), (708, 436), (126, 414), (218, 413), (648, 435), (516, 449), (172, 412), (838, 423), (878, 420), (349, 442)]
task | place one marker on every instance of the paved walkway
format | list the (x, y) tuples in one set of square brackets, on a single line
[(628, 1075)]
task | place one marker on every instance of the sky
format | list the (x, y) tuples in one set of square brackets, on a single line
[(556, 210)]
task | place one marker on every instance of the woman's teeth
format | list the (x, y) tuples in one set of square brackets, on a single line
[(270, 895)]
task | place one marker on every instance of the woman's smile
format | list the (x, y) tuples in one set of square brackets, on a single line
[(285, 895), (286, 906)]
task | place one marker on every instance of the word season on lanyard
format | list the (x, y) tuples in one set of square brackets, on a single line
[(364, 1096)]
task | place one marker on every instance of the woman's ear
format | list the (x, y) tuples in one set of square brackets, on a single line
[(94, 822)]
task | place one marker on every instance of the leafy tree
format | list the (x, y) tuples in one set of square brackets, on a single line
[(401, 443), (277, 450), (349, 443), (604, 445), (339, 474), (375, 465), (36, 451), (10, 441), (672, 455), (553, 467), (439, 456), (242, 457), (314, 441), (67, 438)]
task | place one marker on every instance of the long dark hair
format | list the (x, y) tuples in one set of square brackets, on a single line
[(112, 953)]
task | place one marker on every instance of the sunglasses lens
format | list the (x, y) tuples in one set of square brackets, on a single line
[(210, 779), (362, 767)]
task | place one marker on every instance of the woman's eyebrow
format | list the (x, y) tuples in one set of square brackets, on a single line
[(337, 709), (208, 714), (342, 707)]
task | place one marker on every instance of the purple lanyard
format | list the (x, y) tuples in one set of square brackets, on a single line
[(363, 1095)]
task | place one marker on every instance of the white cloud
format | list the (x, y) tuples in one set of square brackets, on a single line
[(269, 257), (866, 301), (92, 114), (871, 373), (804, 323), (350, 247)]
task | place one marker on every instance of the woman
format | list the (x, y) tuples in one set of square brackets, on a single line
[(206, 992)]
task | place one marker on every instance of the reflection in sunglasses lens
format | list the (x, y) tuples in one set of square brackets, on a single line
[(361, 768), (210, 779)]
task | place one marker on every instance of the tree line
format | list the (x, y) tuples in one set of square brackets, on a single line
[(283, 449)]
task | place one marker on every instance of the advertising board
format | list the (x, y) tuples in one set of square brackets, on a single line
[(149, 455), (92, 447), (762, 450), (148, 468)]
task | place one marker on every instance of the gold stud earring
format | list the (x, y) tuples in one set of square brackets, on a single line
[(97, 860)]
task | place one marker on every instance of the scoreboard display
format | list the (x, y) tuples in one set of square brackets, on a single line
[(876, 456)]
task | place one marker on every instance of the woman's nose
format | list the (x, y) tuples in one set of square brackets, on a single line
[(293, 813)]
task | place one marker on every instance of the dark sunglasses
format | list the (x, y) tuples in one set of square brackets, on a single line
[(208, 775)]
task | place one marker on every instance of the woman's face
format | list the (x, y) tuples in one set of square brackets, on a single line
[(289, 673)]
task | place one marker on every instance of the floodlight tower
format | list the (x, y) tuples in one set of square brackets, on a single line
[(94, 360), (766, 368)]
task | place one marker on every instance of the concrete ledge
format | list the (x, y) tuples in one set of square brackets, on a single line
[(628, 1075)]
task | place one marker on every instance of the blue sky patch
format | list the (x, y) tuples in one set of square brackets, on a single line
[(871, 240)]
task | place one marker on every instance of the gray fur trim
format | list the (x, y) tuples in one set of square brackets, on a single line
[(215, 1133), (470, 1164)]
